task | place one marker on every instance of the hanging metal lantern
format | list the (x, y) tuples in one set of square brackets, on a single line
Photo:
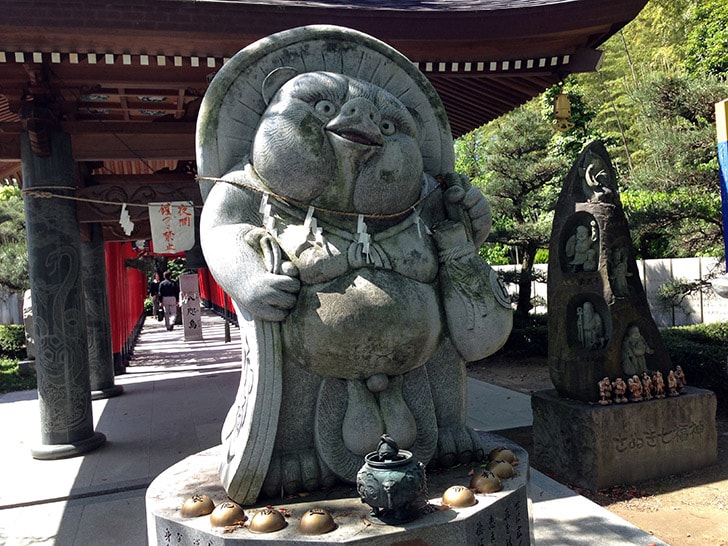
[(562, 112)]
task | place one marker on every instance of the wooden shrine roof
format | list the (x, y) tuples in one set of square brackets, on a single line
[(125, 78)]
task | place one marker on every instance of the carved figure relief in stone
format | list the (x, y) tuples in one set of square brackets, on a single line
[(619, 272), (597, 183), (634, 349), (349, 246), (581, 248), (591, 259), (590, 327)]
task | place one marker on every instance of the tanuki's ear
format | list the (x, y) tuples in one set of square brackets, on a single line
[(275, 80)]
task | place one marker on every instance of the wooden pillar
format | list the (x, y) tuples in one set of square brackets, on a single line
[(54, 253)]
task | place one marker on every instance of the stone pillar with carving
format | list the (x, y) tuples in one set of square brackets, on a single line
[(98, 327), (190, 308), (54, 252)]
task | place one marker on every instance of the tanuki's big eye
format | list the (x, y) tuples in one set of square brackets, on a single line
[(325, 107), (387, 127)]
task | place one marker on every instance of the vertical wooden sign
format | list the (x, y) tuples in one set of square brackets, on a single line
[(190, 299)]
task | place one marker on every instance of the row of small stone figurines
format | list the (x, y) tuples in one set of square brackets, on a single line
[(646, 387)]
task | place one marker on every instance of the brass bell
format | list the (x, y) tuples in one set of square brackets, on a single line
[(268, 520), (227, 513), (502, 469), (197, 505), (316, 521), (485, 482), (458, 496), (562, 112)]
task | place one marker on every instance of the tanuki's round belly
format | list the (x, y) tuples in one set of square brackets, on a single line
[(366, 322)]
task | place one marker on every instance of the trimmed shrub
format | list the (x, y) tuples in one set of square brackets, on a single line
[(702, 351), (529, 339), (12, 340), (11, 378)]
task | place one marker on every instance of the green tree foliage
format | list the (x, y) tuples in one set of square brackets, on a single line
[(656, 89), (652, 43), (652, 104), (13, 247), (672, 199), (706, 48), (9, 191), (510, 161), (519, 161)]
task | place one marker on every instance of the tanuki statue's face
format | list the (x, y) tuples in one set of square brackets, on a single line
[(336, 142)]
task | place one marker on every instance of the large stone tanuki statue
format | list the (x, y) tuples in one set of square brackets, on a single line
[(348, 245)]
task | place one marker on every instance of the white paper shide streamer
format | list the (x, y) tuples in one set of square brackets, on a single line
[(125, 220)]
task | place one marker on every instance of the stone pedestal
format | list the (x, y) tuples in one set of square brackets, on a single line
[(595, 446), (496, 518)]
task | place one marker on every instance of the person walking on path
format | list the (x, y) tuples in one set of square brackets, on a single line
[(154, 295), (169, 293)]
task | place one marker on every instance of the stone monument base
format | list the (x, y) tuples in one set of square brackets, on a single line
[(594, 446), (496, 518)]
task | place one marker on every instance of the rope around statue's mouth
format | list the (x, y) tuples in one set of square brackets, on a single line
[(358, 137)]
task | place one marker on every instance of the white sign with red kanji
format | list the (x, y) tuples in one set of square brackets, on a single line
[(173, 226)]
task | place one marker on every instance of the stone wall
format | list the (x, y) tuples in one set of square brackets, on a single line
[(11, 307), (702, 307)]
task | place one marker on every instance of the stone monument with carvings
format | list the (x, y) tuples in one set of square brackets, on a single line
[(608, 421), (599, 320)]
